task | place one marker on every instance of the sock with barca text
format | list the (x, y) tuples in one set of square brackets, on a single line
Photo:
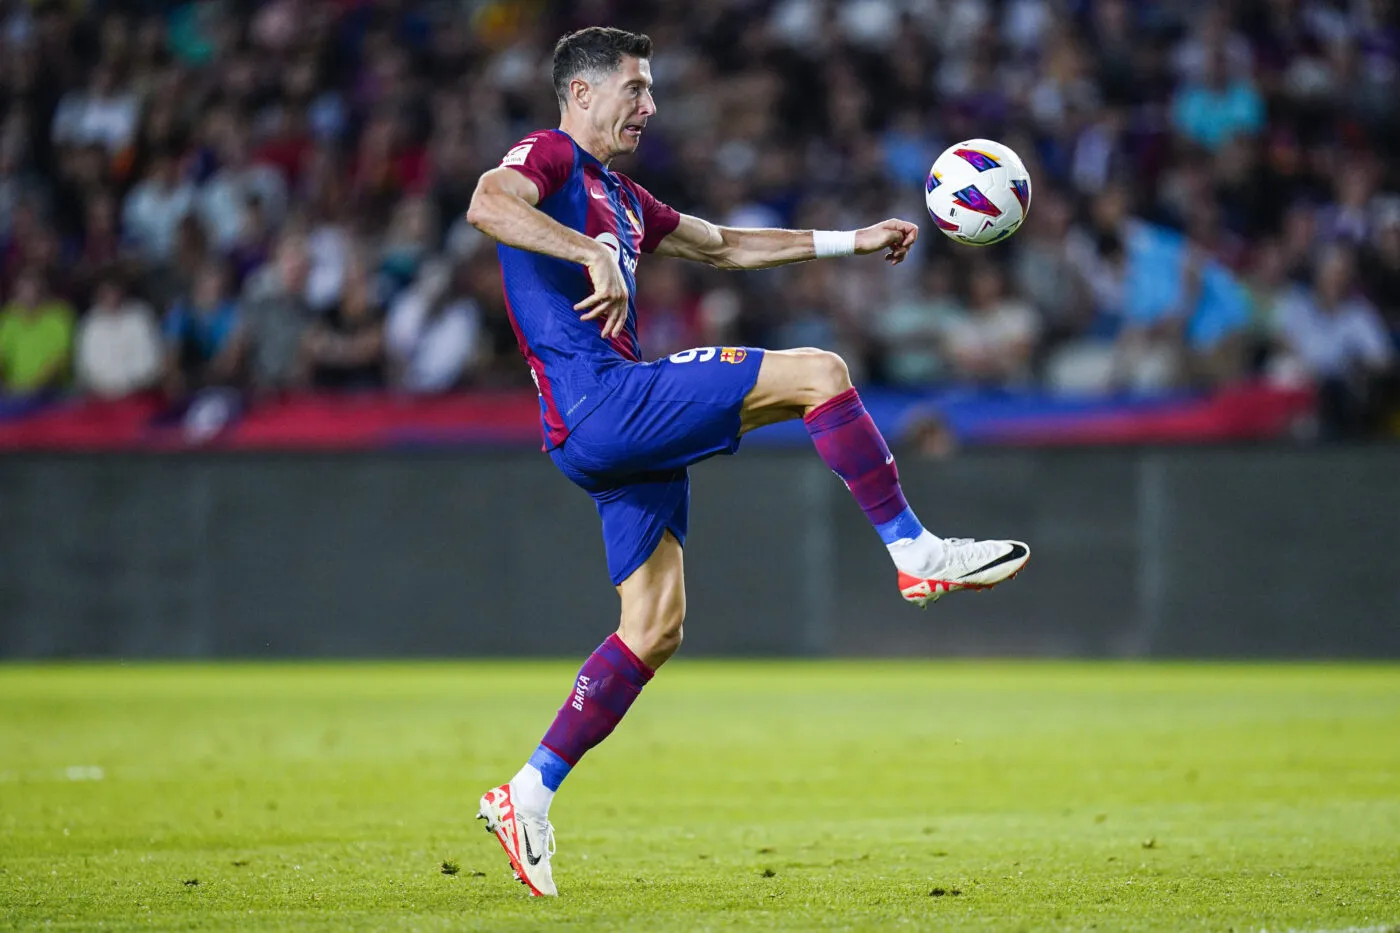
[(607, 684)]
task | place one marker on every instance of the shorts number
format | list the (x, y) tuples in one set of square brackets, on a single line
[(704, 355)]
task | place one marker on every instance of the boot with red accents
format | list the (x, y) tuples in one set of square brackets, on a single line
[(964, 564), (528, 841)]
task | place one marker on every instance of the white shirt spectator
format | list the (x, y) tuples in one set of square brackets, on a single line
[(152, 215), (431, 351), (329, 251), (1331, 344), (999, 334), (222, 199), (84, 118), (118, 350)]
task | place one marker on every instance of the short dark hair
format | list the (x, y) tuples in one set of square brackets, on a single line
[(596, 50)]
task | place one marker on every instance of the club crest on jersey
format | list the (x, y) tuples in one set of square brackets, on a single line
[(732, 354)]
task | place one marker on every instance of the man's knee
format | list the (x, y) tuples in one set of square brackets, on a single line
[(832, 374), (826, 376), (666, 636), (656, 635)]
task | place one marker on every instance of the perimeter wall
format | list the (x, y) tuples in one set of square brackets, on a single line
[(1254, 552)]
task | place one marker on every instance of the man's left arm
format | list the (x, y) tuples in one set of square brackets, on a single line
[(700, 240)]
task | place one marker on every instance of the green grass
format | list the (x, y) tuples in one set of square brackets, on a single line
[(748, 795)]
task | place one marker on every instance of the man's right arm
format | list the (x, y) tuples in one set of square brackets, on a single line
[(503, 208)]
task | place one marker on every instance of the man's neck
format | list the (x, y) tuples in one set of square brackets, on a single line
[(586, 141)]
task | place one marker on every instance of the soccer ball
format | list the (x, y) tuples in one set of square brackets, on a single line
[(978, 192)]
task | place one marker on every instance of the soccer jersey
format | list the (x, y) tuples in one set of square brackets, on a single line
[(574, 367)]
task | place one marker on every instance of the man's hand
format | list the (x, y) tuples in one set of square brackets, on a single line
[(897, 236), (609, 298)]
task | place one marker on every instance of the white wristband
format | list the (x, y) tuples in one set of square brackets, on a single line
[(834, 243)]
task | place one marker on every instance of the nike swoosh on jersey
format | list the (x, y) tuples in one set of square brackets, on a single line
[(1016, 553)]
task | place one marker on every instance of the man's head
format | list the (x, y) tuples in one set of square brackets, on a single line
[(602, 77), (109, 293), (293, 262), (1334, 272), (28, 289)]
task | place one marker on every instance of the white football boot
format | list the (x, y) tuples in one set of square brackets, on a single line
[(528, 841), (966, 565)]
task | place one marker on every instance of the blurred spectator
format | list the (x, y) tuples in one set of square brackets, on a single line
[(1216, 107), (666, 310), (992, 344), (154, 208), (251, 248), (1382, 268), (225, 196), (118, 348), (1335, 338), (432, 332), (36, 337), (912, 331), (100, 113), (1183, 310), (203, 344), (928, 436), (276, 318), (499, 364), (1045, 273), (345, 347), (1268, 286), (101, 242), (411, 238)]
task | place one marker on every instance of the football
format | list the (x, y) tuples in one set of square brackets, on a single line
[(978, 192)]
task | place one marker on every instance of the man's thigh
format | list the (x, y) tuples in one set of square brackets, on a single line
[(789, 382)]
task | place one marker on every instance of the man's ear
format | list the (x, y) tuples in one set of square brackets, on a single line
[(580, 93)]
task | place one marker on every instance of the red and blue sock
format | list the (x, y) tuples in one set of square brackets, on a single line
[(851, 445), (605, 688)]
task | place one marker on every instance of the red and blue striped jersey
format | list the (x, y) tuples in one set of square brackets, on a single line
[(573, 366)]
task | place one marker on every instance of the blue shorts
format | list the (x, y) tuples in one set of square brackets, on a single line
[(630, 454)]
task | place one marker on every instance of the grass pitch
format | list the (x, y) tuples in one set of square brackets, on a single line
[(736, 795)]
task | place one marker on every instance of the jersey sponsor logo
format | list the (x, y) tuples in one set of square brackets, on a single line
[(611, 242), (517, 155), (733, 355), (599, 193)]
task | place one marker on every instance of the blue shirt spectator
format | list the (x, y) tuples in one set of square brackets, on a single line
[(1214, 111), (1156, 288), (201, 326)]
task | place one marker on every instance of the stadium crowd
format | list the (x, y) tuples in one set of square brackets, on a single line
[(262, 197)]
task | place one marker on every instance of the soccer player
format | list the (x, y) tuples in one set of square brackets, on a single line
[(570, 231)]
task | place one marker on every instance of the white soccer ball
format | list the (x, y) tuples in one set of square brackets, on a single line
[(978, 192)]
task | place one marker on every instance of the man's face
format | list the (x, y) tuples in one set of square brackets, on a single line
[(621, 104), (294, 264)]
